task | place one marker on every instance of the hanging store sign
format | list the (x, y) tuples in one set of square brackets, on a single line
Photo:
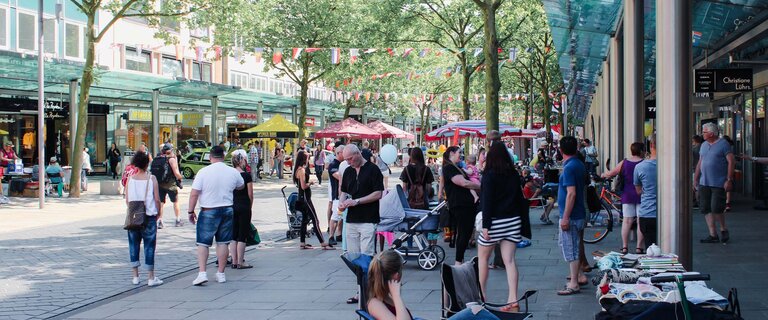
[(140, 115), (723, 80), (650, 109), (248, 116), (309, 122), (191, 119)]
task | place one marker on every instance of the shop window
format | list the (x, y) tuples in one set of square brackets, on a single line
[(73, 43), (137, 60), (761, 97), (201, 71), (172, 67), (26, 30), (4, 27)]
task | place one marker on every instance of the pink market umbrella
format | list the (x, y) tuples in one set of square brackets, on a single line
[(348, 128), (388, 131), (470, 127)]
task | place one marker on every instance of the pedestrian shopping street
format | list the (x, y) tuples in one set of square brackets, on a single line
[(69, 262)]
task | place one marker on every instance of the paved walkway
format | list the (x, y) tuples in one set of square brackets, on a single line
[(69, 261)]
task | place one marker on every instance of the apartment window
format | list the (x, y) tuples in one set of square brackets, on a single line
[(252, 83), (201, 71), (26, 31), (73, 41), (172, 67), (259, 83), (137, 60), (4, 27), (200, 33), (49, 36), (238, 79)]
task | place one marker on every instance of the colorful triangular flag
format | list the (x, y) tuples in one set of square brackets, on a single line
[(335, 55), (258, 52), (296, 53), (277, 56)]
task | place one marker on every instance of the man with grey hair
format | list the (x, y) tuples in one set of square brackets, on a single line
[(334, 176), (713, 178), (362, 185)]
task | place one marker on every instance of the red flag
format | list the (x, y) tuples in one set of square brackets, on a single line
[(277, 56), (455, 137), (391, 52), (217, 50), (310, 50)]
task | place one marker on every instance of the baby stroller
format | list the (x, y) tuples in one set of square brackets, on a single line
[(294, 216), (414, 225)]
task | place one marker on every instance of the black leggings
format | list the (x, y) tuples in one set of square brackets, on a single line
[(308, 213), (464, 225), (113, 168), (319, 173)]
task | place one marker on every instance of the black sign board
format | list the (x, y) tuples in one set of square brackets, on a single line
[(722, 80), (650, 109)]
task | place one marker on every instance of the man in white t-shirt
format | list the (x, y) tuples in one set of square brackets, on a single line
[(213, 187)]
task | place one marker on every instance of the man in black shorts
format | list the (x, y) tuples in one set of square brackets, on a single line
[(166, 161)]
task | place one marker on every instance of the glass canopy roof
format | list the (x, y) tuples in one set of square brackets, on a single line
[(18, 72), (581, 31)]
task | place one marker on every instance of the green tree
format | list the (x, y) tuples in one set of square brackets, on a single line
[(151, 10)]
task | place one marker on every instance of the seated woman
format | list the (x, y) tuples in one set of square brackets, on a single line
[(532, 190), (54, 174), (386, 303)]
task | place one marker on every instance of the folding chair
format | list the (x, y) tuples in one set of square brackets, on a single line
[(455, 299)]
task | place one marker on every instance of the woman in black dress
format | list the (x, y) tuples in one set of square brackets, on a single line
[(114, 158), (461, 204), (304, 204), (241, 205)]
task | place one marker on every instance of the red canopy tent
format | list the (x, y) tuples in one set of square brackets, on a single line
[(348, 128), (388, 131)]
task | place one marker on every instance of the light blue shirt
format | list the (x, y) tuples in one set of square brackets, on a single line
[(645, 176), (714, 165)]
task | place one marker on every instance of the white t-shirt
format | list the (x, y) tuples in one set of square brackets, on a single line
[(216, 183), (342, 167), (137, 188)]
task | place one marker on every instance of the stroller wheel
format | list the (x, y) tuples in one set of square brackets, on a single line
[(428, 260), (439, 251)]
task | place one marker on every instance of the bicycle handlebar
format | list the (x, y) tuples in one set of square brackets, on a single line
[(687, 277)]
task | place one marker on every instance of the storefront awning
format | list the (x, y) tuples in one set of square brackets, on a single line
[(18, 76)]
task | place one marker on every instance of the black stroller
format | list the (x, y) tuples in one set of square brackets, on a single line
[(294, 216)]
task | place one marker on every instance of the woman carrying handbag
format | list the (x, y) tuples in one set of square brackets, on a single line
[(142, 200)]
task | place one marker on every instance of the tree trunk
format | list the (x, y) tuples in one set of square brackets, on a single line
[(304, 85), (492, 82), (465, 78), (525, 120), (82, 107), (421, 124)]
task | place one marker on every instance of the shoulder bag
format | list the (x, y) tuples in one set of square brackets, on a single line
[(618, 186), (136, 216)]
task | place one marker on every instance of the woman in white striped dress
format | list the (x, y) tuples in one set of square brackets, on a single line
[(503, 209)]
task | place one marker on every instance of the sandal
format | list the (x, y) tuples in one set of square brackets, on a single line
[(624, 250), (328, 247), (510, 307), (352, 300), (639, 251), (305, 246), (586, 282), (244, 266), (568, 291), (235, 266)]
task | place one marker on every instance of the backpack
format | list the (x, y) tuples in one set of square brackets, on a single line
[(416, 195), (161, 169)]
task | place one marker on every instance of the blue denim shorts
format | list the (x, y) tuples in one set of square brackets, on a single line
[(212, 223), (569, 240)]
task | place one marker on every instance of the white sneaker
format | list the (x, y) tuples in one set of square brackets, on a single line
[(220, 277), (135, 281), (202, 277), (154, 282)]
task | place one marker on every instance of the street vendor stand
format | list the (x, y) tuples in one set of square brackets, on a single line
[(276, 127), (348, 128), (657, 287)]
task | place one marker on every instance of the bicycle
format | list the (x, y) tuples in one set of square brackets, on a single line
[(601, 222)]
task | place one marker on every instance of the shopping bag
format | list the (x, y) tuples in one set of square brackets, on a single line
[(254, 239)]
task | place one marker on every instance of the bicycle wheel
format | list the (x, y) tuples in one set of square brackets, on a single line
[(599, 224)]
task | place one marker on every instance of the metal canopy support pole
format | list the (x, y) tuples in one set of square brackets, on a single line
[(215, 121), (634, 106), (617, 113), (72, 119), (673, 88), (40, 107), (154, 138), (605, 118)]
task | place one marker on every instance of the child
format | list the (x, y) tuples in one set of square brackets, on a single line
[(472, 173)]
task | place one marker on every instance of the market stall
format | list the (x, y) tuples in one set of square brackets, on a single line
[(348, 128), (277, 127), (475, 128)]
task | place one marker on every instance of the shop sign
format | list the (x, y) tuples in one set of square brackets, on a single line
[(650, 109), (309, 122), (189, 119), (247, 117), (140, 115), (723, 80)]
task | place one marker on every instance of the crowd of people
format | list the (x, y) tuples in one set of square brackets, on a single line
[(489, 182)]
